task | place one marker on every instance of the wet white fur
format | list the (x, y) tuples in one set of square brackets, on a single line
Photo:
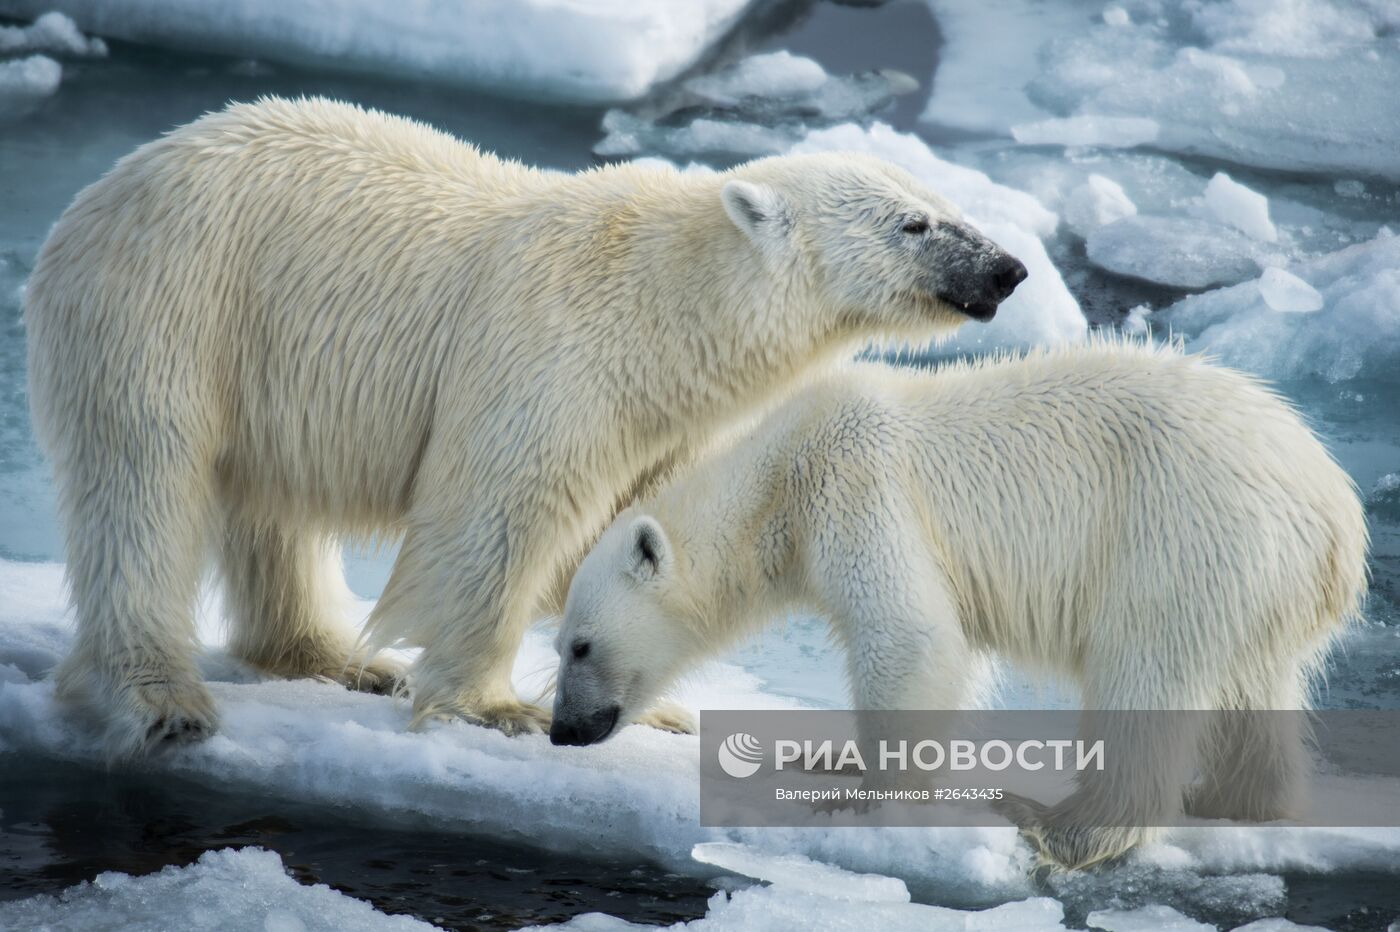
[(1164, 532), (293, 320)]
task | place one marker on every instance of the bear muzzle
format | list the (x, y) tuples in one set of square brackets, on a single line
[(582, 730), (990, 287)]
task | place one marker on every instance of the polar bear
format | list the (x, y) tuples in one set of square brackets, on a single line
[(298, 319), (1163, 532)]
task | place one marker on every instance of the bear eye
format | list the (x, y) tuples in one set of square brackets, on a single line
[(915, 227), (581, 649)]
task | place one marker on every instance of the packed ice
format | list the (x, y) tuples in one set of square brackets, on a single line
[(1303, 86), (604, 50), (1353, 333)]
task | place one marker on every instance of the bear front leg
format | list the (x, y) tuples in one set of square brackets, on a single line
[(456, 592)]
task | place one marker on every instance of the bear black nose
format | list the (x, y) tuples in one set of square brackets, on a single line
[(587, 730), (1009, 273)]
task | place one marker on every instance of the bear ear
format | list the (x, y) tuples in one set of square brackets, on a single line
[(649, 552), (756, 209)]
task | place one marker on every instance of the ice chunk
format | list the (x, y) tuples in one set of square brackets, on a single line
[(52, 32), (1109, 132), (1116, 16), (24, 82), (603, 50), (1287, 293), (803, 875), (1243, 209), (1355, 334), (776, 74), (249, 883), (1136, 322), (1156, 918), (1098, 201), (1178, 251)]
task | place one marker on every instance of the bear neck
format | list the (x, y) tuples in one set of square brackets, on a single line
[(740, 328), (728, 520)]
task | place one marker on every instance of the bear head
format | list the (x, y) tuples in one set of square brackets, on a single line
[(875, 246)]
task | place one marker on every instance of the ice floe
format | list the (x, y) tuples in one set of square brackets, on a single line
[(635, 795), (603, 50), (1179, 251)]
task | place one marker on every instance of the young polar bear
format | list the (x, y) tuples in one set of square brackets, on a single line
[(296, 319), (1166, 533)]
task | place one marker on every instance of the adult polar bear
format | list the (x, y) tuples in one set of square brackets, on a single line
[(1165, 533), (289, 320)]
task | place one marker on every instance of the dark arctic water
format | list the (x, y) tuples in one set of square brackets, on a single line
[(60, 824)]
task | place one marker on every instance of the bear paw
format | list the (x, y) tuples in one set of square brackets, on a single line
[(668, 716), (511, 717), (1060, 844), (383, 676), (157, 714)]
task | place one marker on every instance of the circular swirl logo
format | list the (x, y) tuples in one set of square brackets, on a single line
[(740, 755)]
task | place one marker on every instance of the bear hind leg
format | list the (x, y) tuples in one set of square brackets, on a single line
[(1255, 759), (287, 596)]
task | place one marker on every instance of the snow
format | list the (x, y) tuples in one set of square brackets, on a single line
[(231, 889), (1179, 251), (1287, 293), (1041, 311), (1355, 334), (597, 51), (1303, 88), (52, 32), (1241, 208), (1111, 132)]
